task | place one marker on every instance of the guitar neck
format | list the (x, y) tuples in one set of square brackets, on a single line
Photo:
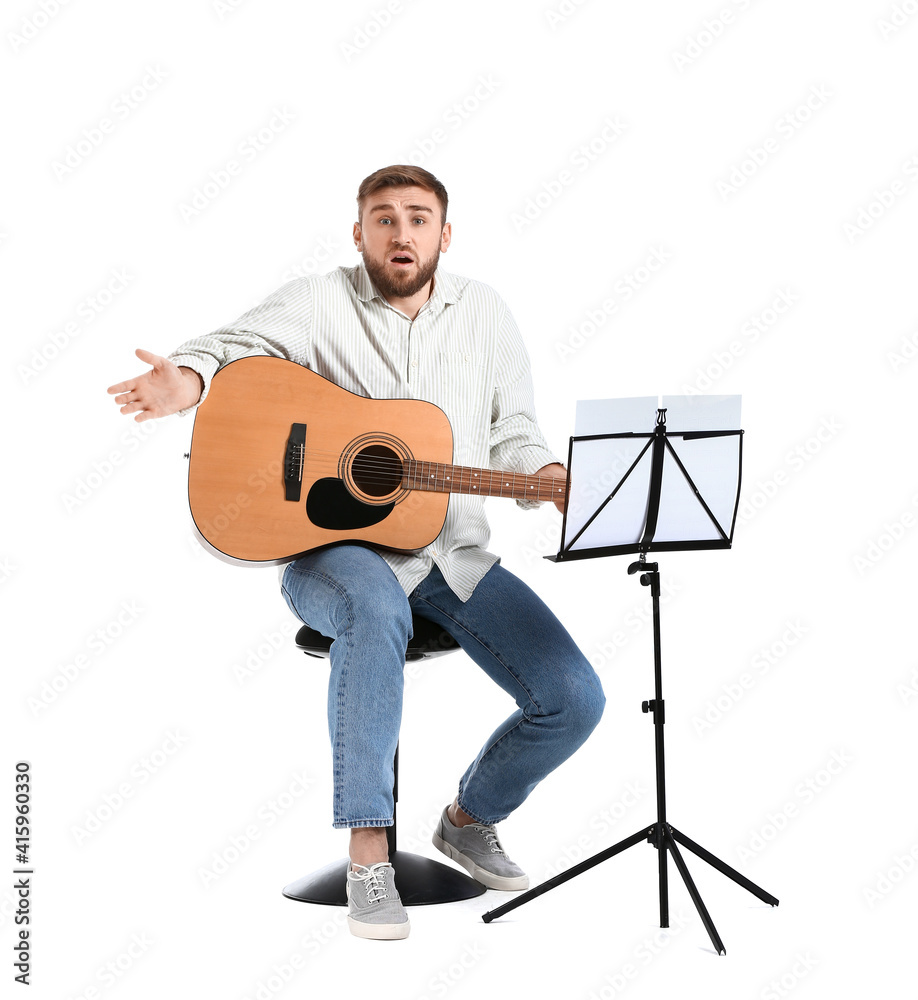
[(436, 477)]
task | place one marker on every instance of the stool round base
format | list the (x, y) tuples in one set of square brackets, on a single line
[(419, 881)]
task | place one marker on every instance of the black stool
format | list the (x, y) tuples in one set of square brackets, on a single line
[(420, 880)]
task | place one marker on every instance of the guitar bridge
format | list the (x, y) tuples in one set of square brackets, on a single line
[(294, 458)]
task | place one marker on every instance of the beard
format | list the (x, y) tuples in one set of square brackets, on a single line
[(400, 284)]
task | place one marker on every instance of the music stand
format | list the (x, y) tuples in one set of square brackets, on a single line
[(687, 517)]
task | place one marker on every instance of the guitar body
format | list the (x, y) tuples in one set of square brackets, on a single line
[(284, 461)]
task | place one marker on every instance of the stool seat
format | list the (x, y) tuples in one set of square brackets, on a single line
[(429, 640), (419, 880)]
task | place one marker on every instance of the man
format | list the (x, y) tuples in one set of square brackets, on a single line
[(395, 326)]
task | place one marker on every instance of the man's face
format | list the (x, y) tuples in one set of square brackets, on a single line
[(401, 238)]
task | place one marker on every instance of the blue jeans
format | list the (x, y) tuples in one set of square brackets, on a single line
[(349, 593)]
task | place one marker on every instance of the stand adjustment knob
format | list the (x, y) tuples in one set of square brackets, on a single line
[(656, 707)]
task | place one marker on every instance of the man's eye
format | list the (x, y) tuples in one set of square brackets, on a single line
[(420, 221), (385, 222)]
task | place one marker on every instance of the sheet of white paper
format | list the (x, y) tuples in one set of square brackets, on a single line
[(597, 469), (615, 416), (600, 468), (702, 413), (710, 462), (600, 465)]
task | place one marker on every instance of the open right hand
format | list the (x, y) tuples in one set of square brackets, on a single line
[(157, 393)]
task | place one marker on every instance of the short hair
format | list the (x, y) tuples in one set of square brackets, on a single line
[(402, 175)]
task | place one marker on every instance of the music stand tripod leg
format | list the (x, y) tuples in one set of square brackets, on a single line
[(723, 867), (693, 892), (644, 833)]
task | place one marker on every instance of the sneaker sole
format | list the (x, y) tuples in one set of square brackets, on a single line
[(478, 873), (378, 932)]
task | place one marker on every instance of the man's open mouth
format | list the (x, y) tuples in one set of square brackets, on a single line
[(402, 259)]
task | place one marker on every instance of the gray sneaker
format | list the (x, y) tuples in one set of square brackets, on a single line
[(374, 908), (478, 850)]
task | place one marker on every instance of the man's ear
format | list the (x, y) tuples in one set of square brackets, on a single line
[(357, 236)]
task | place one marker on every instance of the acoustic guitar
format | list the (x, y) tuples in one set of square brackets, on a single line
[(283, 461)]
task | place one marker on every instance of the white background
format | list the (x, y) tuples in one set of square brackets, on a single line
[(757, 154)]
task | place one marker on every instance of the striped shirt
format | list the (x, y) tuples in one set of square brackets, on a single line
[(462, 352)]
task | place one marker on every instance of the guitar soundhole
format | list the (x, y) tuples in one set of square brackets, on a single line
[(377, 471)]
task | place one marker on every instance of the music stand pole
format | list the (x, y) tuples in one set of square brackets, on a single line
[(664, 837)]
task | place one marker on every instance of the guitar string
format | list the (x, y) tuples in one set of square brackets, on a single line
[(379, 470), (457, 482), (381, 462)]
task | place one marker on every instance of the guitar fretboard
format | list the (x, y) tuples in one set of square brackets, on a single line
[(437, 477)]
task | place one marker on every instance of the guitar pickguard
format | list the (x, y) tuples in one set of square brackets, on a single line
[(329, 504)]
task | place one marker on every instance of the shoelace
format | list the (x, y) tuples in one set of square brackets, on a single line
[(490, 838), (374, 880)]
